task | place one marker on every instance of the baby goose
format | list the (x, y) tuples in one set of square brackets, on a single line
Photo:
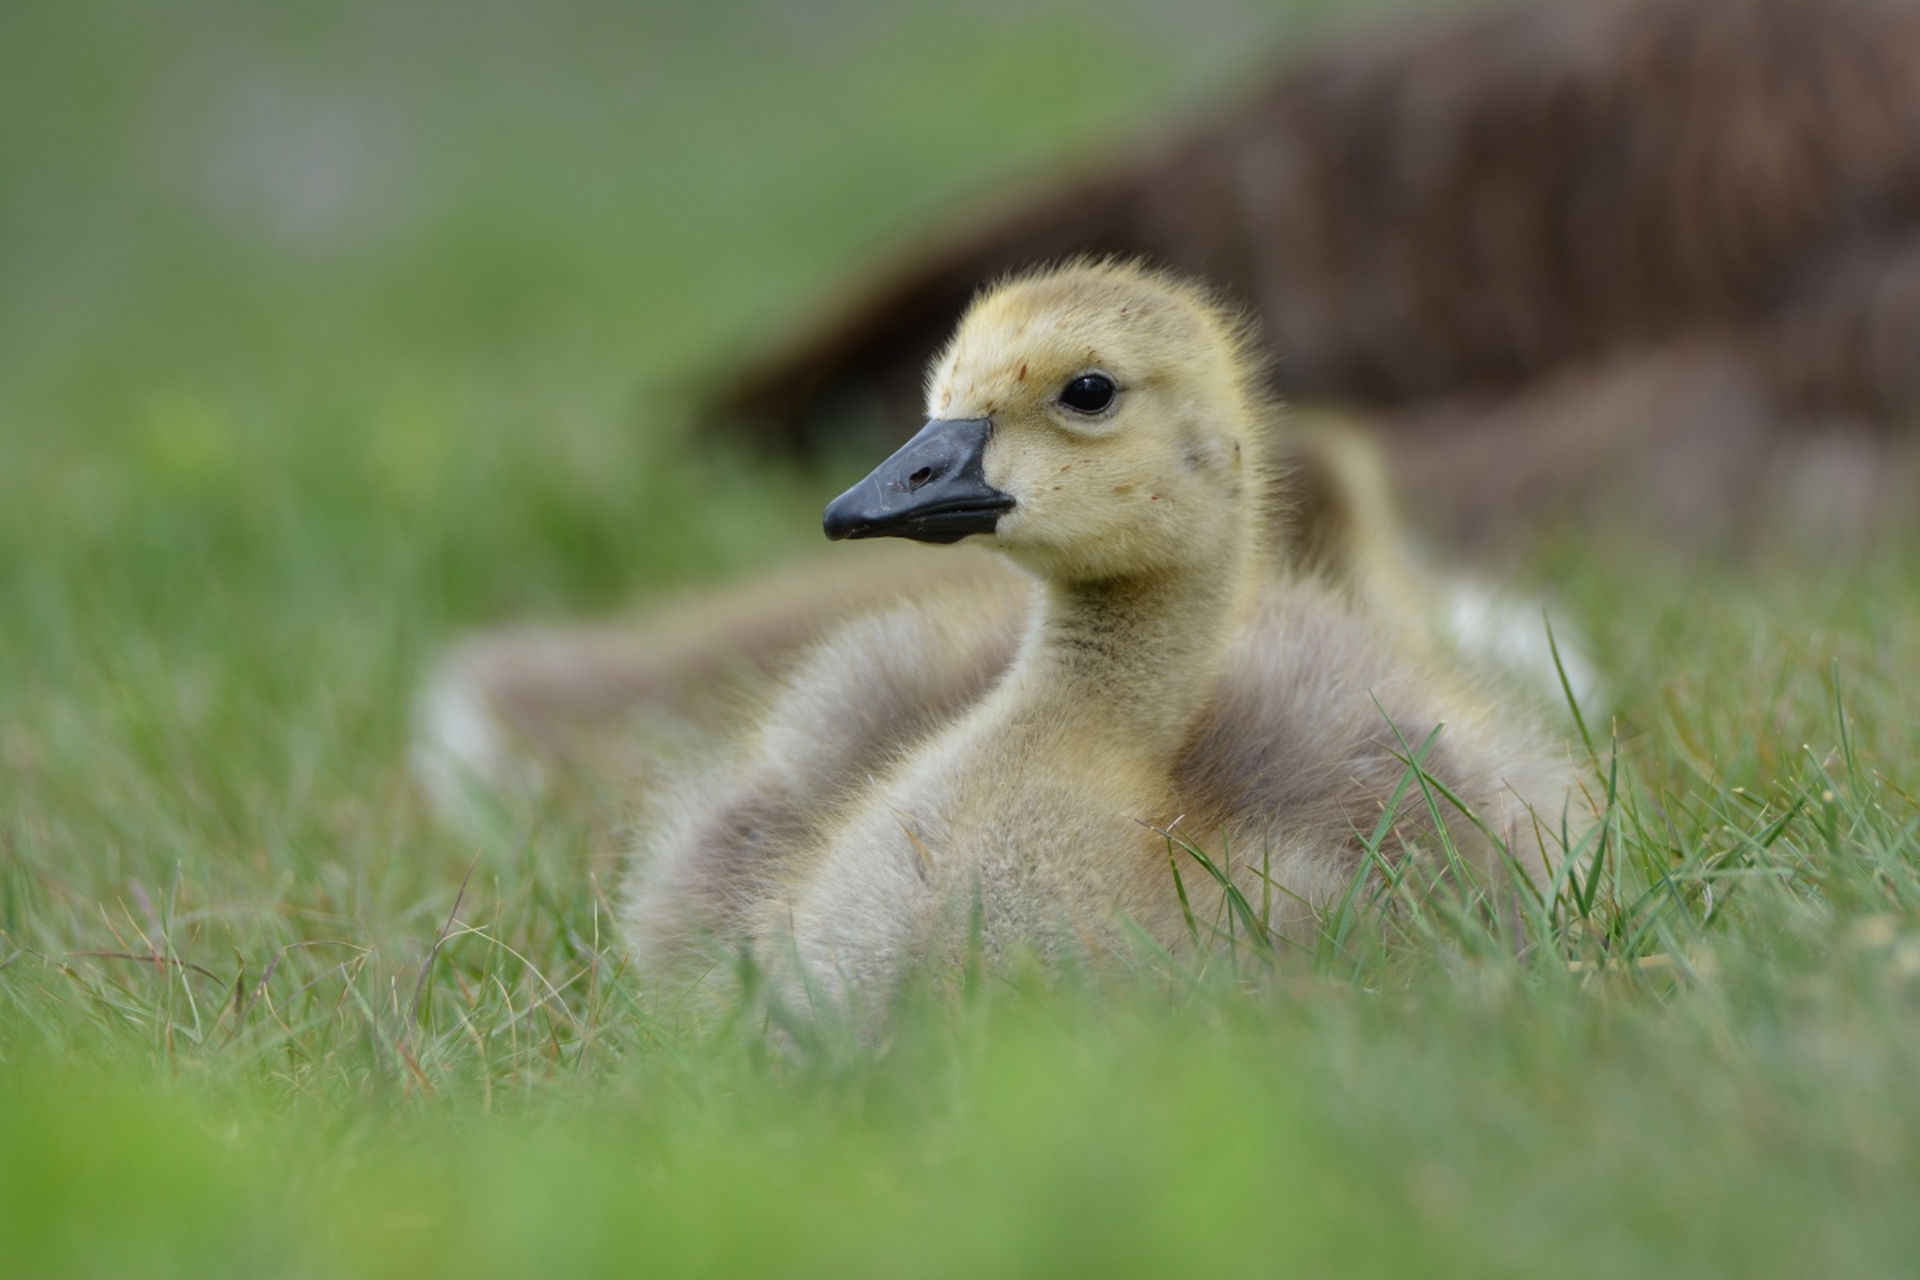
[(914, 789)]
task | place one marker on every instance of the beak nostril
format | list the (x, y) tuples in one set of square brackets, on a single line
[(919, 477)]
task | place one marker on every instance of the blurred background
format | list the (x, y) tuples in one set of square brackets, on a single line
[(413, 298), (329, 331)]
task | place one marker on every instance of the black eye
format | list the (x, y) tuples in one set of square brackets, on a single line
[(1088, 393)]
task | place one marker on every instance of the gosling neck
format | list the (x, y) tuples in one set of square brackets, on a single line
[(1137, 655)]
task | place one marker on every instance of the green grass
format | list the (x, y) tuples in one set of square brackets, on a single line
[(269, 435)]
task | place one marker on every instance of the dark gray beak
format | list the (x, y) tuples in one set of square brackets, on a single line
[(932, 490)]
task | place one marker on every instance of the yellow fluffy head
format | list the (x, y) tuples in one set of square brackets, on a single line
[(1164, 473)]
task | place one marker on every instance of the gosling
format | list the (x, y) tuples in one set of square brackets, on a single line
[(1004, 777)]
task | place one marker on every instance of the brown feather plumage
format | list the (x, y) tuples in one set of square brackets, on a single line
[(1440, 223)]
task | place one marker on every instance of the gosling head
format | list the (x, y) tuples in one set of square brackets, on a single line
[(1093, 421)]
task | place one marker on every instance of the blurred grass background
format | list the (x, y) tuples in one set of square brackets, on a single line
[(330, 330)]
